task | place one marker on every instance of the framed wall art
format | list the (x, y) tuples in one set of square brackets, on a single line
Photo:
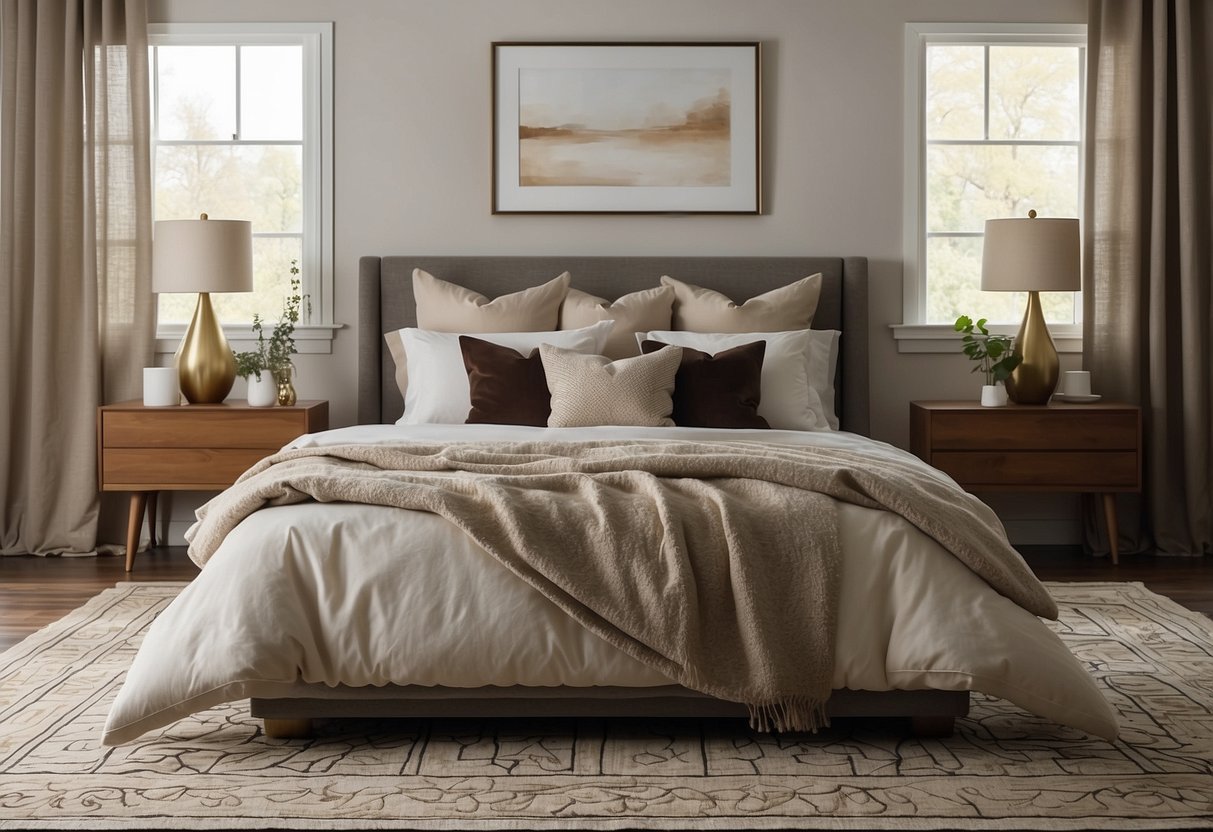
[(626, 128)]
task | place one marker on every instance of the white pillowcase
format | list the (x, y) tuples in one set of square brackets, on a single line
[(438, 391), (790, 372), (823, 365)]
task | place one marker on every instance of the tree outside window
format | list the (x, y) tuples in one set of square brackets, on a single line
[(1002, 134), (228, 141)]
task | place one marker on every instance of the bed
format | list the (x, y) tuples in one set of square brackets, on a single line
[(283, 619)]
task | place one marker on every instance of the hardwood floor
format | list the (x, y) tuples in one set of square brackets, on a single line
[(36, 591), (1187, 581)]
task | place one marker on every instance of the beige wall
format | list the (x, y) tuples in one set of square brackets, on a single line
[(411, 150)]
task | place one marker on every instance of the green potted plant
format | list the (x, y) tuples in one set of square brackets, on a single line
[(254, 367), (995, 356), (268, 368)]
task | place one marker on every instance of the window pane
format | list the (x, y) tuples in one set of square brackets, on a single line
[(954, 281), (271, 281), (273, 185), (263, 184), (1034, 93), (197, 92), (271, 92), (954, 288), (177, 309), (955, 95), (969, 184)]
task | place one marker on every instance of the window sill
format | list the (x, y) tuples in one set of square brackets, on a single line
[(313, 339), (942, 338)]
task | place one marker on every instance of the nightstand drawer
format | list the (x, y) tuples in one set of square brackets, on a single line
[(197, 447), (202, 469), (269, 427), (1052, 470), (1042, 429)]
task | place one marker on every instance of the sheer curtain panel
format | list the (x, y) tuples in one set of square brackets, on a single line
[(1148, 311), (76, 317)]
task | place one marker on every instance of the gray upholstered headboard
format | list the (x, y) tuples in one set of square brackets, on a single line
[(385, 303)]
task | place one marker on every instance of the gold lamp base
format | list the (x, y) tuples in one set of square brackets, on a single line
[(1034, 380), (206, 367)]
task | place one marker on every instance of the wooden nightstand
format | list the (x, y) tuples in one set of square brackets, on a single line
[(1056, 447), (198, 447)]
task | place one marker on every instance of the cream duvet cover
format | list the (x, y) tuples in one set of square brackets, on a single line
[(359, 595)]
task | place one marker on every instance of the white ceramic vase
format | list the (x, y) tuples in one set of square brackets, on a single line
[(993, 395), (263, 392)]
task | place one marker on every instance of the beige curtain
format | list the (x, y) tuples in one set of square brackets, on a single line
[(76, 320), (1149, 315)]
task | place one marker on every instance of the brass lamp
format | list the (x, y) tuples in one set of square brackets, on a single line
[(1032, 255), (203, 256)]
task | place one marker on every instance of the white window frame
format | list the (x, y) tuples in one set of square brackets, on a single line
[(913, 335), (314, 334)]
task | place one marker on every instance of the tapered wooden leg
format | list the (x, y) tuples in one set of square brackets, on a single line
[(288, 729), (932, 726), (134, 524), (152, 498), (1109, 511)]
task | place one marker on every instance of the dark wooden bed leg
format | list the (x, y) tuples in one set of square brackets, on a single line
[(930, 726), (288, 729)]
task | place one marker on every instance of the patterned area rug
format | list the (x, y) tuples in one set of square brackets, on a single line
[(1003, 769)]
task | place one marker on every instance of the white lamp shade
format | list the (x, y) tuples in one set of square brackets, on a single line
[(202, 256), (1038, 254)]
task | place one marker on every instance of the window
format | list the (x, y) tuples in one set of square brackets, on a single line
[(994, 127), (242, 129)]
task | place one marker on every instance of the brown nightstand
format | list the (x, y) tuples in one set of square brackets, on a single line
[(197, 447), (1057, 447)]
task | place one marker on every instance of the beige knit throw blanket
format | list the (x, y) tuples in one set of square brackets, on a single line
[(715, 563)]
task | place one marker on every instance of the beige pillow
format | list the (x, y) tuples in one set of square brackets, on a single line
[(703, 310), (636, 312), (447, 307), (593, 390)]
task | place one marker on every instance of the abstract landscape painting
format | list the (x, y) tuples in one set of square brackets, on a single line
[(632, 127), (629, 128)]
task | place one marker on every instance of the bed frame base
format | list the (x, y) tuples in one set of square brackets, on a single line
[(932, 713)]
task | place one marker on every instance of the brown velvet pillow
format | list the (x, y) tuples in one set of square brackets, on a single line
[(507, 388), (718, 391)]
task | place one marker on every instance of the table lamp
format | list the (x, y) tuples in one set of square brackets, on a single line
[(1032, 255), (203, 256)]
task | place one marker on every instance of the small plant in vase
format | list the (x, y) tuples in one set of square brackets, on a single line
[(995, 356), (268, 368)]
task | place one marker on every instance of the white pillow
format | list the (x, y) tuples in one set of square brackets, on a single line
[(438, 391), (823, 365), (789, 400)]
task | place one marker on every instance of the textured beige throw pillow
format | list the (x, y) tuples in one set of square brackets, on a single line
[(635, 312), (593, 390), (704, 310), (448, 307)]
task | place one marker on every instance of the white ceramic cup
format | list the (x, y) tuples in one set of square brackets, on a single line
[(160, 387), (1076, 383)]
